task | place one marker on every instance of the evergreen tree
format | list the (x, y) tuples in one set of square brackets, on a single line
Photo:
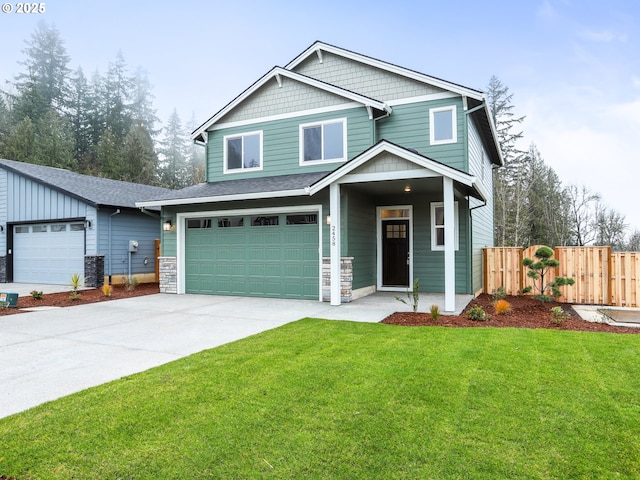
[(196, 158), (46, 67), (54, 142), (139, 156), (108, 158), (142, 110), (117, 95), (508, 185), (20, 145), (174, 151), (80, 108)]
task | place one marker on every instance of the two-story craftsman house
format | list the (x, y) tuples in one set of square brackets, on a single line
[(334, 177)]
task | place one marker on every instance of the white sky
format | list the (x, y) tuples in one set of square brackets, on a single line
[(573, 66)]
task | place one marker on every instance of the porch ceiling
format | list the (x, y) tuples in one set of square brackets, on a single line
[(418, 186)]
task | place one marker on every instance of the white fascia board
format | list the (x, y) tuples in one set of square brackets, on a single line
[(224, 198), (278, 71), (420, 77)]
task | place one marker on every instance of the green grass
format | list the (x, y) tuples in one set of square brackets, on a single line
[(322, 399)]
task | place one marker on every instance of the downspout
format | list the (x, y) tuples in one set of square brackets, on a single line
[(117, 212)]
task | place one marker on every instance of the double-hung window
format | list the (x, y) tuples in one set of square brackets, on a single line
[(323, 142), (442, 125), (437, 225), (243, 152)]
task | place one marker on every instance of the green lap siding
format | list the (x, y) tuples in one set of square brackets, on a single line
[(281, 144), (264, 261)]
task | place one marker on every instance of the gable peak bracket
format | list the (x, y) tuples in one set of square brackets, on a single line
[(279, 80), (319, 54)]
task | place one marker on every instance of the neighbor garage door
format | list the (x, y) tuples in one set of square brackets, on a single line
[(48, 253), (263, 256)]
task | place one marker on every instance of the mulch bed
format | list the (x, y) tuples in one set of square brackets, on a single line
[(86, 296), (525, 312)]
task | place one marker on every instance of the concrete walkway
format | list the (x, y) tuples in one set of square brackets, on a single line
[(52, 353)]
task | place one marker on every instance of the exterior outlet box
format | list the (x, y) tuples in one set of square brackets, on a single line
[(10, 299), (133, 246)]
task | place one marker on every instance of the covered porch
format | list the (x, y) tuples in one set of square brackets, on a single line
[(396, 200)]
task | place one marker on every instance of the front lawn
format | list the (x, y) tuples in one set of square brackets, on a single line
[(320, 399)]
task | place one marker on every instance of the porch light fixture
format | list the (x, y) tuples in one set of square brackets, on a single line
[(1, 228), (87, 224), (328, 219), (407, 188), (166, 226)]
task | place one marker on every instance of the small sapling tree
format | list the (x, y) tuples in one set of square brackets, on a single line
[(539, 269)]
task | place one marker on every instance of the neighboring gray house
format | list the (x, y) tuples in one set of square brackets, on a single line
[(333, 177), (54, 223)]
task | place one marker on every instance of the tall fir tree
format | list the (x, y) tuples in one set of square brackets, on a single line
[(173, 171), (142, 110), (46, 66), (499, 101), (139, 157), (79, 113)]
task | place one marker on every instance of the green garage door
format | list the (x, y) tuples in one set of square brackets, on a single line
[(251, 255)]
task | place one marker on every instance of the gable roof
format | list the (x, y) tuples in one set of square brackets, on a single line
[(476, 98), (318, 47), (468, 182), (276, 73), (95, 191)]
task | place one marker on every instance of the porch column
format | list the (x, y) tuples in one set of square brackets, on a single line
[(334, 242), (449, 247)]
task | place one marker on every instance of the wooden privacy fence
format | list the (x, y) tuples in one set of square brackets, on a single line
[(602, 277)]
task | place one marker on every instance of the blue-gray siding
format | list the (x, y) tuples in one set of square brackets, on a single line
[(482, 216), (125, 226)]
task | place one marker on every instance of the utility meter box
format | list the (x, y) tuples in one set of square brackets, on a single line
[(133, 246)]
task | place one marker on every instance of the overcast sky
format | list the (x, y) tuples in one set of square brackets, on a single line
[(573, 66)]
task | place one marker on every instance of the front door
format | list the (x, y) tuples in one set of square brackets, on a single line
[(395, 253)]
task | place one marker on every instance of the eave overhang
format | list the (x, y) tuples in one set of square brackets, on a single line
[(318, 47), (342, 174), (199, 135)]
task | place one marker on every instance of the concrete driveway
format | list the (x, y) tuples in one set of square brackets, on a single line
[(49, 354)]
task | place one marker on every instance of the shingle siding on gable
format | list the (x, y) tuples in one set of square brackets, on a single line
[(281, 150), (362, 78), (271, 99), (386, 163)]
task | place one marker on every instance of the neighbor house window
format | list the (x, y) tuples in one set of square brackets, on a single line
[(243, 152), (442, 125), (323, 142), (437, 225)]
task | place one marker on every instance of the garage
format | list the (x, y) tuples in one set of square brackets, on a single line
[(265, 255), (48, 252)]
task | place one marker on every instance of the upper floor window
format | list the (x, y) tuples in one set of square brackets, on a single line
[(243, 152), (442, 125), (325, 141), (437, 226)]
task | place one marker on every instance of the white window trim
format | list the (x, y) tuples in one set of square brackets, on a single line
[(225, 168), (454, 125), (301, 128), (434, 246)]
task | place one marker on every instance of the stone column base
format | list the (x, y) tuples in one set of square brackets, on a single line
[(94, 271), (346, 279), (168, 274)]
